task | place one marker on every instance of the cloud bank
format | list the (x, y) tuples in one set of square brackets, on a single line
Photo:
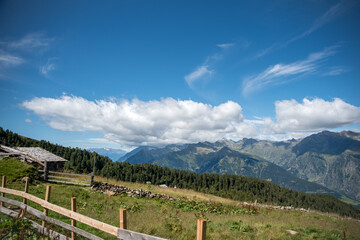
[(134, 123), (311, 115), (168, 121)]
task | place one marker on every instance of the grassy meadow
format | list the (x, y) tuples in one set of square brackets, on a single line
[(173, 220)]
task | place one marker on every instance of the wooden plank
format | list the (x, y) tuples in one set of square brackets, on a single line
[(42, 216), (69, 174), (120, 233), (66, 212), (75, 179), (73, 183), (3, 184), (41, 229), (44, 231), (130, 235), (201, 229), (47, 199), (73, 222), (8, 212)]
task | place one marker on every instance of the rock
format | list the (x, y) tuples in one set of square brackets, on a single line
[(110, 193), (292, 232)]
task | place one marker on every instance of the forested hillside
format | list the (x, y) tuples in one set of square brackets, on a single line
[(230, 186), (209, 158)]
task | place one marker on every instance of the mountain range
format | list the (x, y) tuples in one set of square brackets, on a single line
[(113, 154), (326, 162)]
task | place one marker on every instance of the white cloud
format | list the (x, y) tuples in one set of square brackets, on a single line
[(134, 123), (200, 72), (155, 123), (205, 71), (225, 45), (336, 70), (311, 115), (7, 59), (47, 68), (276, 74), (27, 120), (284, 136), (32, 41), (328, 16)]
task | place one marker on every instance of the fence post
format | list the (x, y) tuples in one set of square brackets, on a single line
[(26, 189), (73, 222), (47, 199), (123, 223), (3, 184), (46, 171), (201, 229)]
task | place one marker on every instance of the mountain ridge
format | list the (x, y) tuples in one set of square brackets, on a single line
[(206, 158), (329, 159)]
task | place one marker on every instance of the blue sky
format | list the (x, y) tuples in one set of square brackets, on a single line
[(127, 73)]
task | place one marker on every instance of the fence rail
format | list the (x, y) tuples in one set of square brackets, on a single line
[(118, 232), (42, 230), (50, 176), (42, 216)]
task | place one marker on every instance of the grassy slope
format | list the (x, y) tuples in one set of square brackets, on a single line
[(164, 219)]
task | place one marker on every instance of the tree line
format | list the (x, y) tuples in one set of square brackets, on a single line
[(224, 185)]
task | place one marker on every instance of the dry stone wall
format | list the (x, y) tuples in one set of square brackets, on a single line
[(113, 190)]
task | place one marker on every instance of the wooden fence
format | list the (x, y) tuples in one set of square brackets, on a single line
[(120, 233), (66, 178)]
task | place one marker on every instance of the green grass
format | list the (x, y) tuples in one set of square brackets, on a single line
[(350, 201), (174, 220), (14, 169)]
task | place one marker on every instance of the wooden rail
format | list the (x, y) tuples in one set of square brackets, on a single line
[(68, 174), (42, 230), (50, 176), (118, 232), (42, 216)]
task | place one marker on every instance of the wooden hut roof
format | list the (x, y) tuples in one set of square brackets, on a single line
[(40, 154)]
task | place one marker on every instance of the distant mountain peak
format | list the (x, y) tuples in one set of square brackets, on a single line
[(326, 142)]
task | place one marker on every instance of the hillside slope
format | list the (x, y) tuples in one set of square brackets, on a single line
[(207, 158), (327, 158), (226, 219)]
